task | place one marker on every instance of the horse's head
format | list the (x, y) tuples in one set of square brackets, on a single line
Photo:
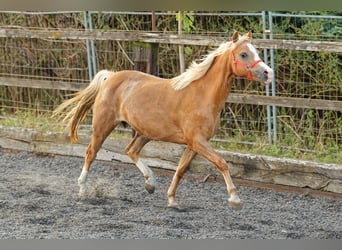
[(246, 61)]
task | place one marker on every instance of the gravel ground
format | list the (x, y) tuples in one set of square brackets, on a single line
[(39, 199)]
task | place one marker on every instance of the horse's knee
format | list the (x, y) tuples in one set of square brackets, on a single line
[(131, 155)]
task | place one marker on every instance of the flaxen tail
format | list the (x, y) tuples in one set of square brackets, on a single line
[(75, 109)]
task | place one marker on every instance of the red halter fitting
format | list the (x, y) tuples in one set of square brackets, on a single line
[(246, 66)]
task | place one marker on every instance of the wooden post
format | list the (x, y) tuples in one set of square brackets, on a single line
[(145, 57), (146, 54), (140, 56), (154, 49), (154, 59)]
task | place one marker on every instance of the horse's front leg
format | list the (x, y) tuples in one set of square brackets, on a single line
[(202, 147), (183, 165), (132, 150)]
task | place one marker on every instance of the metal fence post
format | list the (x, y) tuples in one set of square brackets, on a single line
[(268, 107), (274, 108), (90, 69), (93, 51)]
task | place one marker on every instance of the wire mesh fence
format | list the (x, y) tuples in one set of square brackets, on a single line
[(302, 73), (308, 75)]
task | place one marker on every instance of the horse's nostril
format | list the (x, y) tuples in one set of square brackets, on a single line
[(266, 73)]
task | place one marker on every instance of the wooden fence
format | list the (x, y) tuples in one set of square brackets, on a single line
[(158, 38), (325, 177)]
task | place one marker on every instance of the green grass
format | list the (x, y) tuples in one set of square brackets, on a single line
[(28, 119), (263, 148)]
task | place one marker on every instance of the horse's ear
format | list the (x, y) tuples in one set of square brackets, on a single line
[(235, 37), (249, 35)]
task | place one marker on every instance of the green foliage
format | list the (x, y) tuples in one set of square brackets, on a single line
[(187, 19)]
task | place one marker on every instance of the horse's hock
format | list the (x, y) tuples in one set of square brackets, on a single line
[(264, 169)]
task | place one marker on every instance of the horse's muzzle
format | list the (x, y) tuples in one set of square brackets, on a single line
[(264, 74), (269, 76)]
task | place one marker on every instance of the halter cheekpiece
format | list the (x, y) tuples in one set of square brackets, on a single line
[(248, 67)]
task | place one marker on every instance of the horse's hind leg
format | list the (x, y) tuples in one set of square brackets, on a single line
[(183, 165), (132, 150), (103, 124)]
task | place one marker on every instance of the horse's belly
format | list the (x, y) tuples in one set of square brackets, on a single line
[(159, 131)]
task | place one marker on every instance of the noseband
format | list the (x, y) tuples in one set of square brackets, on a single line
[(248, 67)]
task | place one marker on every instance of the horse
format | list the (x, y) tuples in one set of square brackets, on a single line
[(183, 110)]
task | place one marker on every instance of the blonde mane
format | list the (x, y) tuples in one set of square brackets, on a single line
[(198, 70)]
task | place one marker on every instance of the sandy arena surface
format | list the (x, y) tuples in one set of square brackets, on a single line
[(39, 199)]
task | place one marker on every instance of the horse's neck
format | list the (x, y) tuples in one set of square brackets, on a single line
[(218, 81)]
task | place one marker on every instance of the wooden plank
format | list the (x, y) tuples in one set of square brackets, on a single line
[(290, 102), (134, 36), (298, 45), (69, 34), (41, 84), (150, 37), (264, 169), (183, 39)]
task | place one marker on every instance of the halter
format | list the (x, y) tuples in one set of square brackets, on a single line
[(246, 66)]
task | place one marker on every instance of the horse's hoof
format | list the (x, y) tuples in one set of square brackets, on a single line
[(83, 191), (149, 188), (235, 205), (177, 209), (82, 194), (173, 205)]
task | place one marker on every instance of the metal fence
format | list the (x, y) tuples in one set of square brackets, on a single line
[(307, 74), (300, 73)]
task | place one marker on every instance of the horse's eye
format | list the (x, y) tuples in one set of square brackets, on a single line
[(243, 55)]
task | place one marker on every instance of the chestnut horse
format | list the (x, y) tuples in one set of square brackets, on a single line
[(184, 110)]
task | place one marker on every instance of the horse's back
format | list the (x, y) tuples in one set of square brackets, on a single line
[(145, 102), (131, 83)]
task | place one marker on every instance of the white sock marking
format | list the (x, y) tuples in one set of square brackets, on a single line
[(235, 199), (82, 180), (83, 177), (147, 172)]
